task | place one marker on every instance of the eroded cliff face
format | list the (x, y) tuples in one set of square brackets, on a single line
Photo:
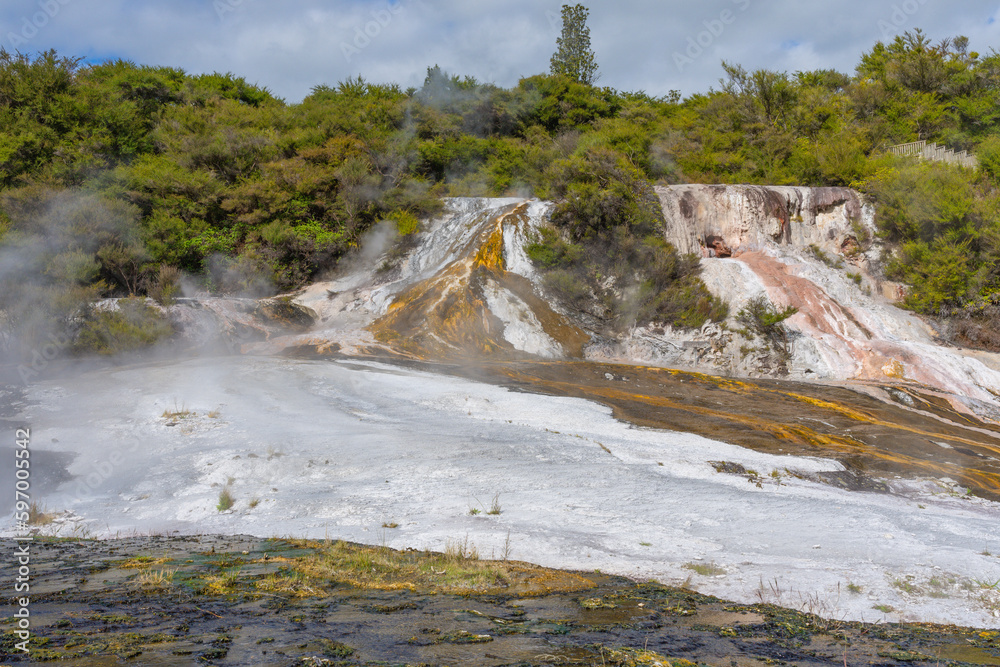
[(723, 220), (464, 287), (813, 249)]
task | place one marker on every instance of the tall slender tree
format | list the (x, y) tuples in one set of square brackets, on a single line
[(573, 56)]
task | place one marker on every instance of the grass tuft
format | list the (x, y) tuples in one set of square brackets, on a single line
[(142, 562), (178, 412), (226, 499), (705, 569), (37, 516), (155, 579), (495, 508)]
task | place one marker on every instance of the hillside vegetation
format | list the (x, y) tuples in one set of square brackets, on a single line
[(118, 179)]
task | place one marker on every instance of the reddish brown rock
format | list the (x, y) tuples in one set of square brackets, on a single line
[(717, 247)]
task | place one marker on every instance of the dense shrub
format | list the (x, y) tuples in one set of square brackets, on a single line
[(763, 319), (133, 326), (550, 251), (606, 254), (939, 274), (215, 176)]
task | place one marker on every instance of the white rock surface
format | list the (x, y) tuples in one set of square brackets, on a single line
[(338, 448), (335, 449)]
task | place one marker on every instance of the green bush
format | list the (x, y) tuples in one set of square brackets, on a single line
[(762, 319), (406, 222), (616, 250), (938, 274), (988, 154), (550, 251), (569, 286), (165, 286), (133, 326), (226, 500), (685, 303), (921, 200)]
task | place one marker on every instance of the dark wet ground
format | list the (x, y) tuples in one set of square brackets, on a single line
[(88, 608), (50, 469)]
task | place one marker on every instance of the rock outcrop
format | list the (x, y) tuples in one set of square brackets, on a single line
[(465, 288), (229, 324), (811, 249), (724, 220)]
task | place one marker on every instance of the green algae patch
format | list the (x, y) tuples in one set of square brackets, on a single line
[(630, 657)]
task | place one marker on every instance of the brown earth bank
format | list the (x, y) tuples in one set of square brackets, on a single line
[(162, 600)]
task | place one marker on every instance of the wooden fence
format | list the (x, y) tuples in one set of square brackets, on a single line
[(929, 151)]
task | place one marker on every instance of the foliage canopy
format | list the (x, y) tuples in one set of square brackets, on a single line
[(116, 178)]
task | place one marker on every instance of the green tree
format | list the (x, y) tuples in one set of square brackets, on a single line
[(573, 56)]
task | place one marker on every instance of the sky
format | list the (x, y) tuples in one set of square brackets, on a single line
[(651, 45)]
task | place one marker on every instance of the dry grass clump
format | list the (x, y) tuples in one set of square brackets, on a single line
[(287, 584), (155, 579), (458, 552), (633, 657), (178, 412), (226, 499), (37, 516), (142, 562), (223, 584), (458, 570), (704, 569)]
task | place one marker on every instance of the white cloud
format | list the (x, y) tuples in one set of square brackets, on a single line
[(293, 46), (799, 58)]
